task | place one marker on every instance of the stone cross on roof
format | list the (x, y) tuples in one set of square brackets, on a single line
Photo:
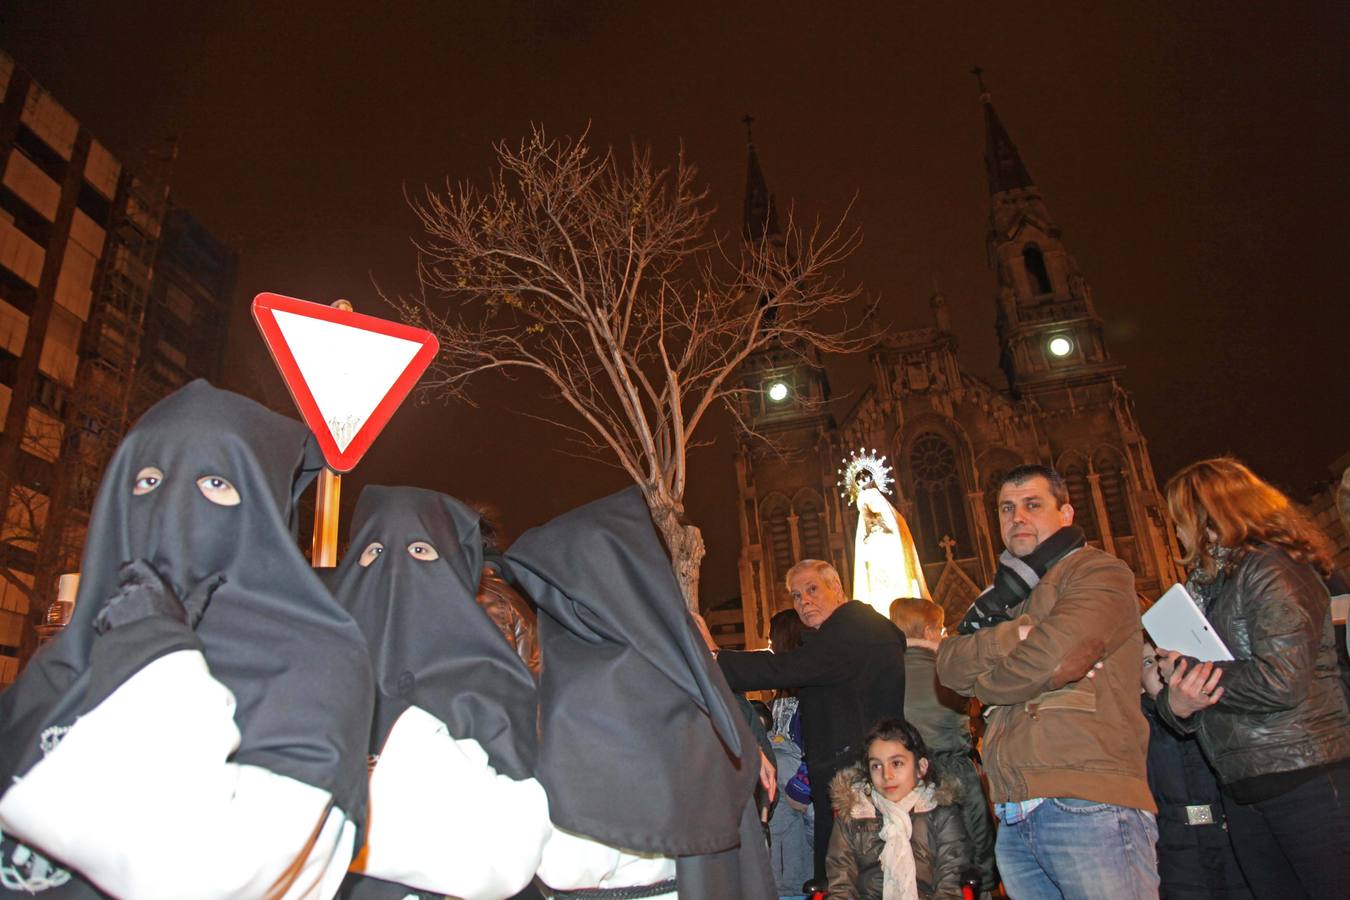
[(947, 544)]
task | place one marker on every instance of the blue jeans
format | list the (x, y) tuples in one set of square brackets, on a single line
[(1071, 849), (790, 853)]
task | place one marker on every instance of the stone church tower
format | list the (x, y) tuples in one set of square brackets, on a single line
[(949, 435)]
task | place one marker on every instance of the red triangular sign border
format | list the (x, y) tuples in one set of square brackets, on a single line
[(264, 314)]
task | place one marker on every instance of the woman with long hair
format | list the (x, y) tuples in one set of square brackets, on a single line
[(1273, 721)]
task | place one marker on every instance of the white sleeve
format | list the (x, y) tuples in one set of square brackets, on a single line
[(572, 862), (443, 820), (139, 799)]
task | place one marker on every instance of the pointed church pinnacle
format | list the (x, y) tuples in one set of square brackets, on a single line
[(1002, 161), (938, 304), (761, 217), (978, 72)]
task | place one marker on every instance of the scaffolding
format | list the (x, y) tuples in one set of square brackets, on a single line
[(99, 407)]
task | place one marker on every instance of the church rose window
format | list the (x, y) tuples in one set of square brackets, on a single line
[(938, 499)]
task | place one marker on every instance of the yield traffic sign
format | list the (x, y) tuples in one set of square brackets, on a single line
[(347, 372)]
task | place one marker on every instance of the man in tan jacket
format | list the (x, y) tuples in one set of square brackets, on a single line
[(1066, 741)]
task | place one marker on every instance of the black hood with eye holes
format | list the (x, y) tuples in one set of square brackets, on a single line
[(431, 644), (273, 634)]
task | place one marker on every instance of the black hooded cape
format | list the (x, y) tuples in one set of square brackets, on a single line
[(431, 644), (641, 746), (272, 634)]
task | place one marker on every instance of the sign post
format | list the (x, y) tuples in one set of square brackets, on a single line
[(327, 504), (347, 374), (323, 547)]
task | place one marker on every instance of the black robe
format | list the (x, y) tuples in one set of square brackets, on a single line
[(432, 646), (641, 746)]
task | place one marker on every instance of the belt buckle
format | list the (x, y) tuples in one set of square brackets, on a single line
[(1200, 815)]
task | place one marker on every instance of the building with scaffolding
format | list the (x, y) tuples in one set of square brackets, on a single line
[(109, 299)]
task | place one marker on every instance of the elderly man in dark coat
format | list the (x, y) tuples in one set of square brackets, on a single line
[(850, 674)]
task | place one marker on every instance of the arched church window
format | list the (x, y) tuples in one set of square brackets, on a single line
[(1037, 274), (994, 467), (939, 505), (810, 525), (993, 481), (1080, 496), (776, 533), (1115, 491)]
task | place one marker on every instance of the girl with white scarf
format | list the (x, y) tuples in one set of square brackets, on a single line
[(898, 834)]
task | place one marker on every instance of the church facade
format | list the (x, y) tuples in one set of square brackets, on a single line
[(949, 436)]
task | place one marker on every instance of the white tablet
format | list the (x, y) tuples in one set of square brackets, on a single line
[(1176, 623)]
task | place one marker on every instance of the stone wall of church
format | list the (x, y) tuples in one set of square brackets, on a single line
[(949, 437)]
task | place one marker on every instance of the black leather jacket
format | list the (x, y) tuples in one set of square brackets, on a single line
[(1283, 706)]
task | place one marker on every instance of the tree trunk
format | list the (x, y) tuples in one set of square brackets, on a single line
[(685, 544), (1343, 500)]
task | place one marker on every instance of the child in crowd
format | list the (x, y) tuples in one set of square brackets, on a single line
[(1195, 856), (898, 832)]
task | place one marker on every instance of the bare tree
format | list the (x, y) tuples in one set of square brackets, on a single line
[(41, 537), (601, 278), (22, 530)]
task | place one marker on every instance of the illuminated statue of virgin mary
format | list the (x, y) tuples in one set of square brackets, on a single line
[(885, 561)]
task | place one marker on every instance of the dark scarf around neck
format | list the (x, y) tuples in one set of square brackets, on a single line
[(1017, 577)]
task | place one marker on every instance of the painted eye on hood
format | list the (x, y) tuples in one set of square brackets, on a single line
[(147, 480), (218, 490), (371, 553), (423, 551)]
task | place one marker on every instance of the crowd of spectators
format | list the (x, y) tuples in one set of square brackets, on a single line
[(1106, 766)]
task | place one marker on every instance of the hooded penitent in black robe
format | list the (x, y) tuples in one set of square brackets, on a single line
[(156, 755), (455, 808), (641, 746)]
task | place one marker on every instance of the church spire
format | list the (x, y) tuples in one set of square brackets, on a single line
[(761, 216), (938, 304), (1001, 159), (1049, 333)]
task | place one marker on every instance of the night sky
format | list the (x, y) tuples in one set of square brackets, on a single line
[(1195, 156)]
